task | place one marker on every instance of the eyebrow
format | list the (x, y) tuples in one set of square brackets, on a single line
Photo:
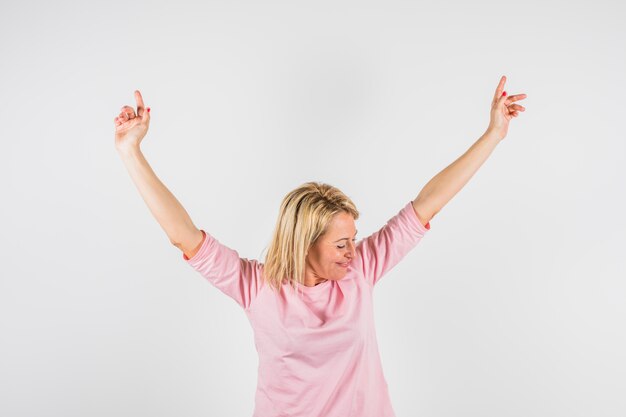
[(346, 238)]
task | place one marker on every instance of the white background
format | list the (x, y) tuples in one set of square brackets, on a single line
[(513, 305)]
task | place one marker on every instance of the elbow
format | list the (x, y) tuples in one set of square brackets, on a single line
[(424, 211), (185, 236), (174, 241), (190, 244)]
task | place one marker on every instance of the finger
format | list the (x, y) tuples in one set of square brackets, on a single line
[(516, 97), (500, 102), (499, 89), (140, 105), (129, 111), (516, 107)]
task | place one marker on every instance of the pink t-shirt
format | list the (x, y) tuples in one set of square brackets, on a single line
[(318, 354)]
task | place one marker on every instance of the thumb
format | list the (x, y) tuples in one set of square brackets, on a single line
[(145, 118), (502, 99)]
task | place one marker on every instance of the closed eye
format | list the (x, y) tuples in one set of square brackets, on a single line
[(343, 246)]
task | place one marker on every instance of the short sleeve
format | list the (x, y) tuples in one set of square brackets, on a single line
[(381, 251), (237, 277)]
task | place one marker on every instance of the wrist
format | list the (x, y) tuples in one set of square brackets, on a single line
[(129, 151), (491, 135)]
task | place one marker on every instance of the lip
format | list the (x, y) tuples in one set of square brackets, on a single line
[(344, 265)]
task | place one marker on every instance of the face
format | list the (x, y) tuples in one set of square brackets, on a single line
[(331, 250)]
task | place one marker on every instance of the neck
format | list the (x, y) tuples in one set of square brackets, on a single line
[(311, 279)]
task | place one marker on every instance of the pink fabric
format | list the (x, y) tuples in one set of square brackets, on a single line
[(318, 353)]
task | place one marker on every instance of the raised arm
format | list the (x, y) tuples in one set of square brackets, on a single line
[(447, 183), (130, 129)]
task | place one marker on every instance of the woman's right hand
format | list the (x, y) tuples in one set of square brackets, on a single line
[(130, 128)]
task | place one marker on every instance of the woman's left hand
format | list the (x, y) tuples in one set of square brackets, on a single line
[(503, 110)]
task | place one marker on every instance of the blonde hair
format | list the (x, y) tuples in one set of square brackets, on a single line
[(304, 216)]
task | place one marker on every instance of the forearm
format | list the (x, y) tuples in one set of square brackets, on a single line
[(447, 183), (168, 212)]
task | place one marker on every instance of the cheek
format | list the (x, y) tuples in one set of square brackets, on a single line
[(335, 257), (328, 257), (333, 254)]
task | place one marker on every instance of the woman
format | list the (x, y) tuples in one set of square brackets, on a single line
[(318, 354)]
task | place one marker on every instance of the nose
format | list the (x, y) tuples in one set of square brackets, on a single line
[(350, 252)]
